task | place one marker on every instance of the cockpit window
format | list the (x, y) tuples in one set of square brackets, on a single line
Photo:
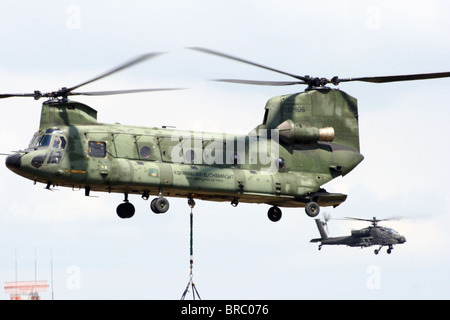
[(55, 157), (63, 143), (51, 138), (56, 142), (59, 142), (392, 231), (44, 141), (34, 141), (53, 130)]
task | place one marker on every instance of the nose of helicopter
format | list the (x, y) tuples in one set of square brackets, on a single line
[(13, 161), (402, 239)]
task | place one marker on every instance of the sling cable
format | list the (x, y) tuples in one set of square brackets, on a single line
[(191, 204)]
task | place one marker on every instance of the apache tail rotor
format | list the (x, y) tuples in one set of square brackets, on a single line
[(326, 217)]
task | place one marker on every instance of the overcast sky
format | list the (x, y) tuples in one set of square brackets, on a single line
[(238, 252)]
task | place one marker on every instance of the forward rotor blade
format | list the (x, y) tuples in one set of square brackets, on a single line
[(117, 69), (223, 55), (64, 92), (10, 95), (261, 83), (112, 92), (406, 77)]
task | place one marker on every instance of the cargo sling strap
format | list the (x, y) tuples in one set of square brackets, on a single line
[(191, 203)]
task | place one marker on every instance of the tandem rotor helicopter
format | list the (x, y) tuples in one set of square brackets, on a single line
[(305, 140), (366, 237)]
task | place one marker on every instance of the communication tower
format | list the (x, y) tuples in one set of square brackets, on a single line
[(26, 290)]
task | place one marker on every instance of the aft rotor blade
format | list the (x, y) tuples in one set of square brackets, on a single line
[(227, 56), (112, 92), (117, 69), (406, 77), (261, 83)]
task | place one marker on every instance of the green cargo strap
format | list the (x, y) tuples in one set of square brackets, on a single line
[(191, 282)]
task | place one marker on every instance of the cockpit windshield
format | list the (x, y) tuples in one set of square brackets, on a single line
[(42, 141), (392, 231)]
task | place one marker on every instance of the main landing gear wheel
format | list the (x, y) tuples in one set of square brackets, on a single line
[(274, 214), (312, 209), (389, 250), (125, 210), (159, 205)]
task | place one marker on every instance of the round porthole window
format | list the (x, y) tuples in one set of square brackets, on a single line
[(145, 152)]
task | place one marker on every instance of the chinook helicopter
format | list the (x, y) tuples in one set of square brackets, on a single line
[(370, 236), (305, 140)]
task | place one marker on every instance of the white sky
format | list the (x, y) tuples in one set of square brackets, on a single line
[(238, 252)]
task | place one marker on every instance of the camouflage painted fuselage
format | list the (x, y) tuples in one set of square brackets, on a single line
[(305, 140)]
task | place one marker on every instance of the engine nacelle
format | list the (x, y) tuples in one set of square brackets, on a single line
[(292, 133), (361, 233)]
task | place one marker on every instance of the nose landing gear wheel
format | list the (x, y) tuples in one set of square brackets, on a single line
[(274, 214)]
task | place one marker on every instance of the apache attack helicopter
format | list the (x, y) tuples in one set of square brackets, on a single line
[(305, 140), (370, 236)]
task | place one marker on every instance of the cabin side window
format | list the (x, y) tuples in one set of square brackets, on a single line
[(145, 152), (97, 149)]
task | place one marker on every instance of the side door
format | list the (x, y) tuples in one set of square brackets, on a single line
[(98, 157)]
